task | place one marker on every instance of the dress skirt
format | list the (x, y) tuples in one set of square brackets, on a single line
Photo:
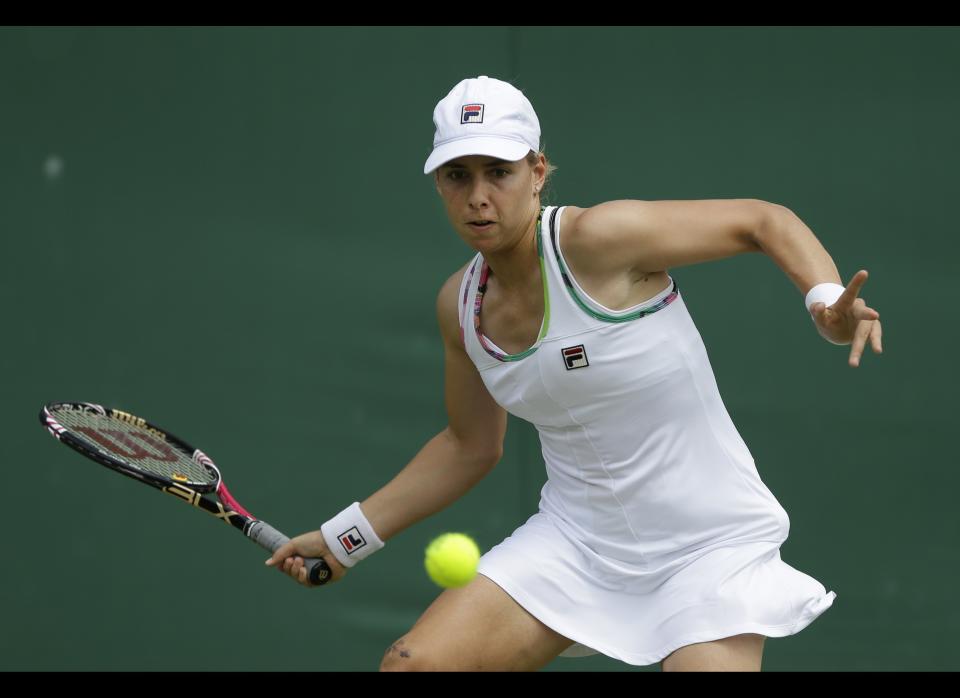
[(641, 615)]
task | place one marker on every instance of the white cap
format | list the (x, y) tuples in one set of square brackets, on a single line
[(483, 116)]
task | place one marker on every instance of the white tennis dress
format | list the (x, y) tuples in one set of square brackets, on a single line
[(654, 530)]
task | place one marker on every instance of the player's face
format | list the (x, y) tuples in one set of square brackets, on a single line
[(490, 202)]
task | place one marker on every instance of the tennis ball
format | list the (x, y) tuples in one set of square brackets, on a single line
[(451, 560)]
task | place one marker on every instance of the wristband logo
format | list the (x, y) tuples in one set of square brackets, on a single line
[(351, 540)]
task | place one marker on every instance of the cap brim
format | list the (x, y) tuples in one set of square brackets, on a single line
[(481, 145)]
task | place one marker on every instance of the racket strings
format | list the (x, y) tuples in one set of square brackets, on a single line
[(143, 448)]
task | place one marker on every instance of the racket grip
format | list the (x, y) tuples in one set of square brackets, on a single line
[(266, 536)]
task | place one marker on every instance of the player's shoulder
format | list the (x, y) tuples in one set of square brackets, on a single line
[(451, 286), (592, 238), (578, 234), (572, 212), (448, 301), (591, 222), (570, 219)]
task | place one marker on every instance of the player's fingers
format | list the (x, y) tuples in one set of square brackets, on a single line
[(859, 341), (819, 312), (849, 294), (281, 553), (875, 335)]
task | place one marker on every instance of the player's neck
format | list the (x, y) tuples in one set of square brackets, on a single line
[(517, 268)]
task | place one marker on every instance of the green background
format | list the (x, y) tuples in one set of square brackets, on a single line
[(241, 246)]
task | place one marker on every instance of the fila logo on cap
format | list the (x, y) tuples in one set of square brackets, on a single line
[(575, 357), (351, 540), (471, 114)]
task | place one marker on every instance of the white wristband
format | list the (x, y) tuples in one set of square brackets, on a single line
[(350, 536), (824, 293), (827, 294)]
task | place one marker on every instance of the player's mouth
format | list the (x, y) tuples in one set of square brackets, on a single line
[(481, 225)]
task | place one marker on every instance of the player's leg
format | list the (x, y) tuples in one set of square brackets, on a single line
[(478, 627), (737, 653)]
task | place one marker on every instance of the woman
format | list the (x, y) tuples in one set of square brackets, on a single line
[(656, 539)]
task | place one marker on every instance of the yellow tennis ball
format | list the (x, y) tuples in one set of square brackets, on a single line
[(451, 559)]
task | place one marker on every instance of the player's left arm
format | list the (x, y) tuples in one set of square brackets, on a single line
[(649, 236)]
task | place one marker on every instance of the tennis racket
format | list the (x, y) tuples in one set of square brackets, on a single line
[(135, 447)]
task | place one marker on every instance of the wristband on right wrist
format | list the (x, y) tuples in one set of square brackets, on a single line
[(826, 293), (350, 537)]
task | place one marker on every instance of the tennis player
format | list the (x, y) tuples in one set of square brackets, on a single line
[(655, 539)]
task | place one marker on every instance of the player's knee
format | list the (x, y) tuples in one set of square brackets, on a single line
[(400, 656)]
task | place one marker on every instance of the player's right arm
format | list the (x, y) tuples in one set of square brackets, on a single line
[(446, 467), (458, 457)]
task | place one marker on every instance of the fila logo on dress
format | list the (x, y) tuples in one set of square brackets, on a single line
[(575, 357)]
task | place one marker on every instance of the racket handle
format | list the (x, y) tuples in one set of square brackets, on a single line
[(267, 536)]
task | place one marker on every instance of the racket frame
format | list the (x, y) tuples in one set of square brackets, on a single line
[(193, 493)]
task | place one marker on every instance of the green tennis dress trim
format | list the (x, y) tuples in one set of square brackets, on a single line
[(544, 325), (593, 312)]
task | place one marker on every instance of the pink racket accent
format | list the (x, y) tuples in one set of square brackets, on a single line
[(54, 427), (228, 499), (202, 458)]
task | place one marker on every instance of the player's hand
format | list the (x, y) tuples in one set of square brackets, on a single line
[(850, 321), (288, 558)]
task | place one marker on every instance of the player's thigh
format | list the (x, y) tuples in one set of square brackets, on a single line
[(475, 628), (736, 653)]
